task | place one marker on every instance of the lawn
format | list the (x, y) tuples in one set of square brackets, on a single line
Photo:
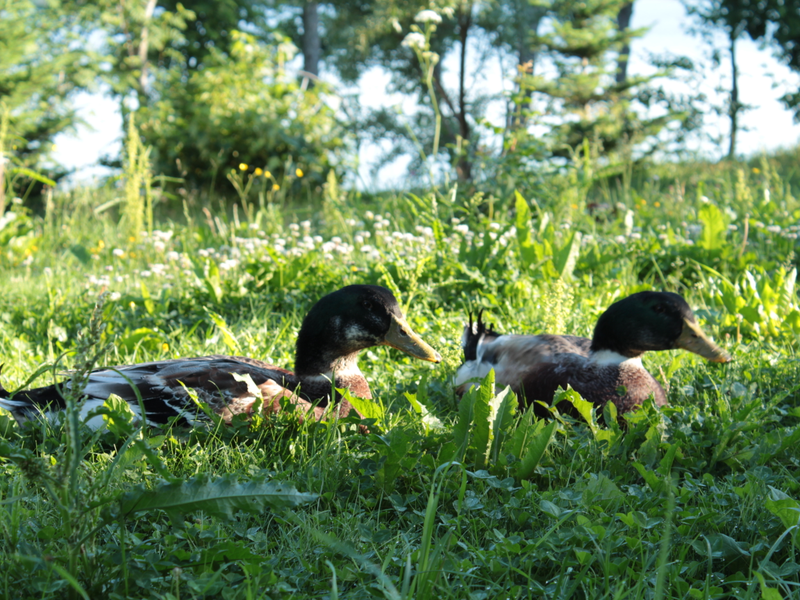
[(441, 499)]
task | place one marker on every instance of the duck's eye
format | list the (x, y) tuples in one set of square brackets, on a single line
[(366, 304)]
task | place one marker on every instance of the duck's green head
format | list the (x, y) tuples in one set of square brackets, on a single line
[(354, 318), (653, 321)]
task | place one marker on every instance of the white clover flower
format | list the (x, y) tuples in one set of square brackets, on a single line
[(305, 224), (705, 200), (114, 296), (159, 246), (428, 16), (369, 215), (415, 40), (172, 256), (774, 228)]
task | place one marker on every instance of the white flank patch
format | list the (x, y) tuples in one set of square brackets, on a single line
[(472, 369), (609, 358)]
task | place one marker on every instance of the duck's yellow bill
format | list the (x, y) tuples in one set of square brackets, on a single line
[(402, 337), (694, 340)]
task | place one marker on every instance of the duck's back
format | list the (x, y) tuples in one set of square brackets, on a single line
[(165, 388)]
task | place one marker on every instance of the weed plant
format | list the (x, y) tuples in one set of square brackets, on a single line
[(442, 499)]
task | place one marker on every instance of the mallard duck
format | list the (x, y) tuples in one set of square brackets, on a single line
[(606, 368), (336, 328)]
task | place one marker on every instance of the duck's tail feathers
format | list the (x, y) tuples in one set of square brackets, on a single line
[(25, 403), (476, 334)]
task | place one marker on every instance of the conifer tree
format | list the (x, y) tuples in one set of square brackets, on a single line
[(591, 100), (39, 72)]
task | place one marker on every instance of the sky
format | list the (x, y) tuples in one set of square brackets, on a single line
[(768, 125)]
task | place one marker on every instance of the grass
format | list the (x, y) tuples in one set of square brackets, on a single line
[(445, 500)]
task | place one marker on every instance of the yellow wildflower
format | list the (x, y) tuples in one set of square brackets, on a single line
[(242, 167), (258, 171), (164, 347), (298, 172), (657, 204), (132, 305), (267, 174), (756, 170), (275, 187)]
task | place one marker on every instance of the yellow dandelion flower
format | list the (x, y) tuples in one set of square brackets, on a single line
[(298, 172), (657, 204), (101, 244), (164, 347), (275, 187), (258, 171), (242, 167), (756, 170), (267, 174), (131, 239), (132, 254), (132, 305), (575, 206)]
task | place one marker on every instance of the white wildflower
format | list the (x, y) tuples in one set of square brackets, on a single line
[(428, 16), (114, 296), (396, 25), (415, 40)]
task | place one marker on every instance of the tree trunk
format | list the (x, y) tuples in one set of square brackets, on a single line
[(464, 165), (311, 42), (733, 110), (623, 22), (529, 18), (143, 46)]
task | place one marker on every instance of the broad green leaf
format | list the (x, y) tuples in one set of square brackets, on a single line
[(504, 410), (715, 228), (227, 334), (481, 439), (784, 507), (33, 175), (118, 415), (767, 593), (565, 259), (220, 497), (535, 450), (81, 253), (369, 409)]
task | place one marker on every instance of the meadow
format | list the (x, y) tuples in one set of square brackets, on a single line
[(442, 499)]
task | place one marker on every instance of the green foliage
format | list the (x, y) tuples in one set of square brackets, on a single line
[(440, 498), (210, 120), (41, 65)]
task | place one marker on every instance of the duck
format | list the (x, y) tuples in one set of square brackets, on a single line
[(606, 368), (335, 330)]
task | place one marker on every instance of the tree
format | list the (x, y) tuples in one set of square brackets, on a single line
[(245, 112), (42, 63), (592, 95), (712, 15), (775, 21)]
